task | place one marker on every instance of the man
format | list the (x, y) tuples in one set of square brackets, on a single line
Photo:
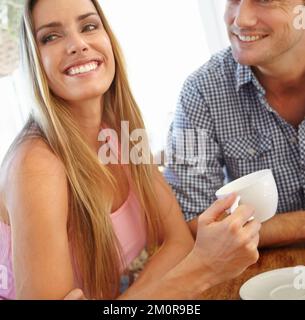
[(250, 101)]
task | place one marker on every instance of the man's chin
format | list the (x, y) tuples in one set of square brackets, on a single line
[(245, 59)]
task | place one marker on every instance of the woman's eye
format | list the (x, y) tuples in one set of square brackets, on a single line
[(52, 37), (266, 1), (89, 27), (49, 38)]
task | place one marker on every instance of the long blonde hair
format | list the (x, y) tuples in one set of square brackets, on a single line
[(95, 248)]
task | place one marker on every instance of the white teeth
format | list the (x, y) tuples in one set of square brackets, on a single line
[(83, 69), (249, 38)]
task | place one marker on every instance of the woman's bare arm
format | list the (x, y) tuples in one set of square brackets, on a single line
[(177, 240), (37, 202), (223, 250)]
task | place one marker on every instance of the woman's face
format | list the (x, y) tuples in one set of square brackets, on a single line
[(75, 49)]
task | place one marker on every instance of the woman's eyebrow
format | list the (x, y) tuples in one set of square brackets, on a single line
[(58, 24)]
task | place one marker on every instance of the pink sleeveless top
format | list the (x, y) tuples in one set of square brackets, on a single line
[(128, 225)]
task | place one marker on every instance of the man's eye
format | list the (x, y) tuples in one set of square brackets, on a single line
[(89, 27), (49, 38)]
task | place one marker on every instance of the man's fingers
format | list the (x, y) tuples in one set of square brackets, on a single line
[(76, 294)]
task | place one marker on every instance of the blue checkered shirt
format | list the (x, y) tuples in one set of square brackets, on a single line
[(243, 134)]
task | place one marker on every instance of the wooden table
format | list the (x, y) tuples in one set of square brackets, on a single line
[(270, 259)]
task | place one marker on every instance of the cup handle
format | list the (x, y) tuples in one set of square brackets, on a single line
[(234, 205)]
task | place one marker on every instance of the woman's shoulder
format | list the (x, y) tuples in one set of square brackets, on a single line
[(33, 156), (34, 177), (30, 158)]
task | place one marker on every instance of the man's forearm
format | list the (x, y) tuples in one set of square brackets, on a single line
[(282, 229)]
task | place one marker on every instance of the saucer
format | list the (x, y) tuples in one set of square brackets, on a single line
[(279, 284)]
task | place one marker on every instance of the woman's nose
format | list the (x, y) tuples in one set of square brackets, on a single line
[(76, 45)]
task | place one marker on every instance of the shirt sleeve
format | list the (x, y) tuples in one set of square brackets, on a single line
[(194, 166)]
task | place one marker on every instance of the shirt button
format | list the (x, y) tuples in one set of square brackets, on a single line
[(294, 140), (251, 151)]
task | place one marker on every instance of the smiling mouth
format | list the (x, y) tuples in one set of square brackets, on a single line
[(83, 69), (250, 38)]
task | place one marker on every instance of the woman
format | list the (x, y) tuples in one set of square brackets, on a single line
[(73, 221)]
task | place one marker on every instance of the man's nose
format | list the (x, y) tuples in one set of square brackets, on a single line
[(246, 14), (76, 44)]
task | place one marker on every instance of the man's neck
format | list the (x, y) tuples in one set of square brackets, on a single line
[(284, 75), (283, 80), (284, 86)]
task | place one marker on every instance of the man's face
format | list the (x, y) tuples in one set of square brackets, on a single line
[(262, 32)]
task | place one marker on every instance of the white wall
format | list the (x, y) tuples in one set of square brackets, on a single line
[(163, 42), (12, 117), (212, 12)]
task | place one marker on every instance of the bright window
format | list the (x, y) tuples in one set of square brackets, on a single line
[(11, 114), (163, 42)]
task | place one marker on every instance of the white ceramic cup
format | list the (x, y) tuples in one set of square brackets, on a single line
[(257, 189)]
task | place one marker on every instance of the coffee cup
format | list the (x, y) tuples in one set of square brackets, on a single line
[(257, 189)]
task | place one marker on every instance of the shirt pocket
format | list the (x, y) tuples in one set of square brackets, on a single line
[(247, 154)]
